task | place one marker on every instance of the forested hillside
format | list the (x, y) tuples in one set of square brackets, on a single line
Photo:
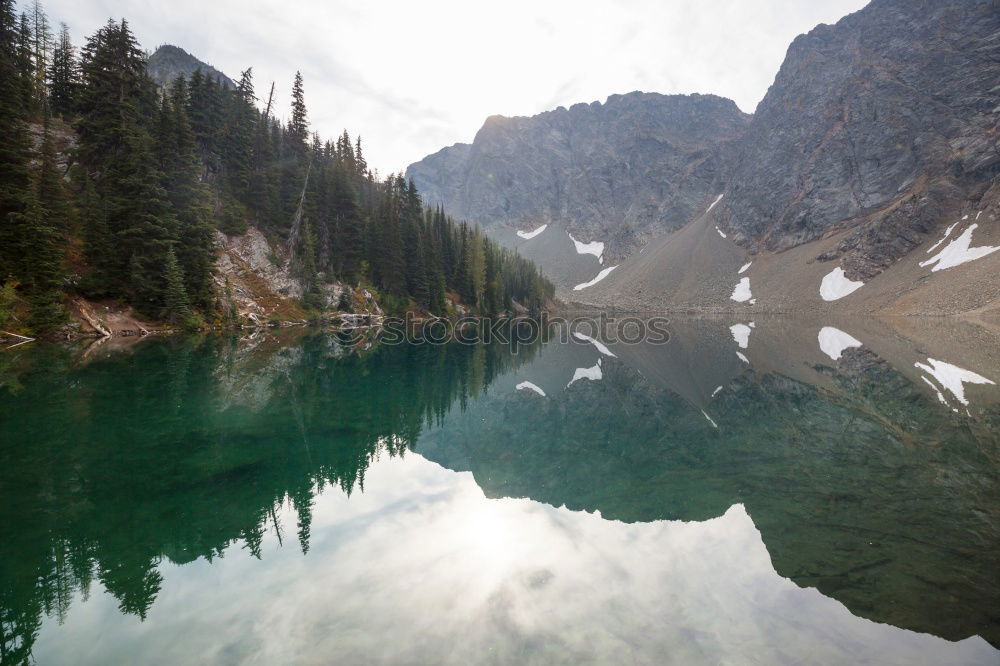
[(113, 188)]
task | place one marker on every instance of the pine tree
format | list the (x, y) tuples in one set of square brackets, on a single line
[(298, 127), (51, 191), (141, 222), (312, 295), (350, 229), (14, 145), (359, 159), (63, 75), (117, 96), (45, 270), (26, 66), (41, 47), (98, 244), (187, 195), (44, 243), (242, 121), (175, 299)]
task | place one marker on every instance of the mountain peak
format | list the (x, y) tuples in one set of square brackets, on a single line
[(169, 61)]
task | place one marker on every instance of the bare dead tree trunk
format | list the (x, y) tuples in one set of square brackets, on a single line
[(293, 236), (93, 321), (270, 98)]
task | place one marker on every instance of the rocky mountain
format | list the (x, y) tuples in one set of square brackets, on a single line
[(168, 62), (879, 135), (617, 172), (882, 121)]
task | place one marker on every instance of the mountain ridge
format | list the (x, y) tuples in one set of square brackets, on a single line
[(879, 130)]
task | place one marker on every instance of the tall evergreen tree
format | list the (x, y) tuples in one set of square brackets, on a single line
[(175, 299), (26, 65), (117, 96), (187, 195), (242, 121), (298, 126), (14, 144), (63, 75), (41, 48), (312, 294), (98, 243), (44, 247), (44, 225), (141, 222)]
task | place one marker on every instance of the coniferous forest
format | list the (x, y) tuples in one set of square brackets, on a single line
[(112, 187)]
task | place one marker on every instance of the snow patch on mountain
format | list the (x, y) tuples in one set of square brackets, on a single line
[(600, 276), (835, 285), (528, 235), (712, 205), (595, 248), (947, 232), (958, 252), (741, 293)]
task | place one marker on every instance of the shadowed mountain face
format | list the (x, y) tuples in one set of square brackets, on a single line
[(887, 118), (869, 472), (168, 62), (877, 134), (616, 173)]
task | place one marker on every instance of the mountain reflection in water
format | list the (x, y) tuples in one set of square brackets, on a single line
[(294, 500)]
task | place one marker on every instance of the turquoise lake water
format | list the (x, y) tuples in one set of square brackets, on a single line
[(769, 492)]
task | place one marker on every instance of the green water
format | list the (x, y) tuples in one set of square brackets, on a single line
[(727, 497)]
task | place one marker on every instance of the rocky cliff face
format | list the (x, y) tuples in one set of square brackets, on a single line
[(168, 62), (616, 172), (883, 121), (877, 134)]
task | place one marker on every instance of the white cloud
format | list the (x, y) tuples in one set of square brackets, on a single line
[(412, 77)]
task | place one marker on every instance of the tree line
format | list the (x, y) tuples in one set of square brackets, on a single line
[(113, 187)]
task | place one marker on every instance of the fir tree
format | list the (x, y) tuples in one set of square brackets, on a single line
[(25, 62), (14, 143), (98, 244), (141, 222), (298, 127), (41, 48), (175, 299), (187, 195), (63, 75), (44, 243), (117, 96), (312, 295), (242, 121), (51, 191)]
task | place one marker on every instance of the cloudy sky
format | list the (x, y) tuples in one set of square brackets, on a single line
[(414, 76)]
